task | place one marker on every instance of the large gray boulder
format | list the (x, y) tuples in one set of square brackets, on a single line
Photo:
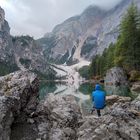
[(116, 82), (116, 76), (58, 119), (18, 94)]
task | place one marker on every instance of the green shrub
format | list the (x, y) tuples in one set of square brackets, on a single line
[(7, 67)]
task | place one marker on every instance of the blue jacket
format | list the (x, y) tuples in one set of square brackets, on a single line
[(98, 97)]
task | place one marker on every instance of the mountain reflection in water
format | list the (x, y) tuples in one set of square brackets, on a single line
[(82, 94)]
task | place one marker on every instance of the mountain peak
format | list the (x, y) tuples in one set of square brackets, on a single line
[(93, 10), (92, 7)]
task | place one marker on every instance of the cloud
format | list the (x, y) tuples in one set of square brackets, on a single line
[(37, 17), (106, 4)]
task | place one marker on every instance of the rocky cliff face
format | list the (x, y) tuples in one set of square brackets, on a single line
[(29, 55), (19, 52), (74, 33), (6, 46)]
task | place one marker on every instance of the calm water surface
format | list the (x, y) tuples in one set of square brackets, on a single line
[(83, 93)]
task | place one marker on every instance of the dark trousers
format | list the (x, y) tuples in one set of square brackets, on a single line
[(98, 111)]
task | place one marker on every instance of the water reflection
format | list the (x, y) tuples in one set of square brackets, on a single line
[(61, 88), (83, 93), (46, 87), (86, 88), (117, 90), (122, 90)]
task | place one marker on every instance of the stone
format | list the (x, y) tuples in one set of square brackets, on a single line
[(136, 87), (120, 122), (59, 117), (110, 100), (116, 76), (19, 91), (30, 121)]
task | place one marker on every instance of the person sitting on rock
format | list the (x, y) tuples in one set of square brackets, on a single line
[(98, 99)]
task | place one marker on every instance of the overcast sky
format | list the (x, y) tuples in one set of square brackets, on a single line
[(37, 17)]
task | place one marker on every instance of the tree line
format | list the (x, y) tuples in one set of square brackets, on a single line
[(125, 52)]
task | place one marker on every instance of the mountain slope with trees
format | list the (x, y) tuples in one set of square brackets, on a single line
[(125, 52)]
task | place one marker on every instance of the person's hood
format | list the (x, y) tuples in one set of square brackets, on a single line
[(97, 87)]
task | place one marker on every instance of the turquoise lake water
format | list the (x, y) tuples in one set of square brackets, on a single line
[(83, 93)]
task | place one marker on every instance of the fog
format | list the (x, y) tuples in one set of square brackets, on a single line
[(37, 17)]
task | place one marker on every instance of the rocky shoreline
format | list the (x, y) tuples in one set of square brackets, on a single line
[(57, 117)]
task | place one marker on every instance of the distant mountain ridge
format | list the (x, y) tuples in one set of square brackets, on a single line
[(67, 41)]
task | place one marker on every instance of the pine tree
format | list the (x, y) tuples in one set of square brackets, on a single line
[(127, 46), (126, 51), (110, 57)]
